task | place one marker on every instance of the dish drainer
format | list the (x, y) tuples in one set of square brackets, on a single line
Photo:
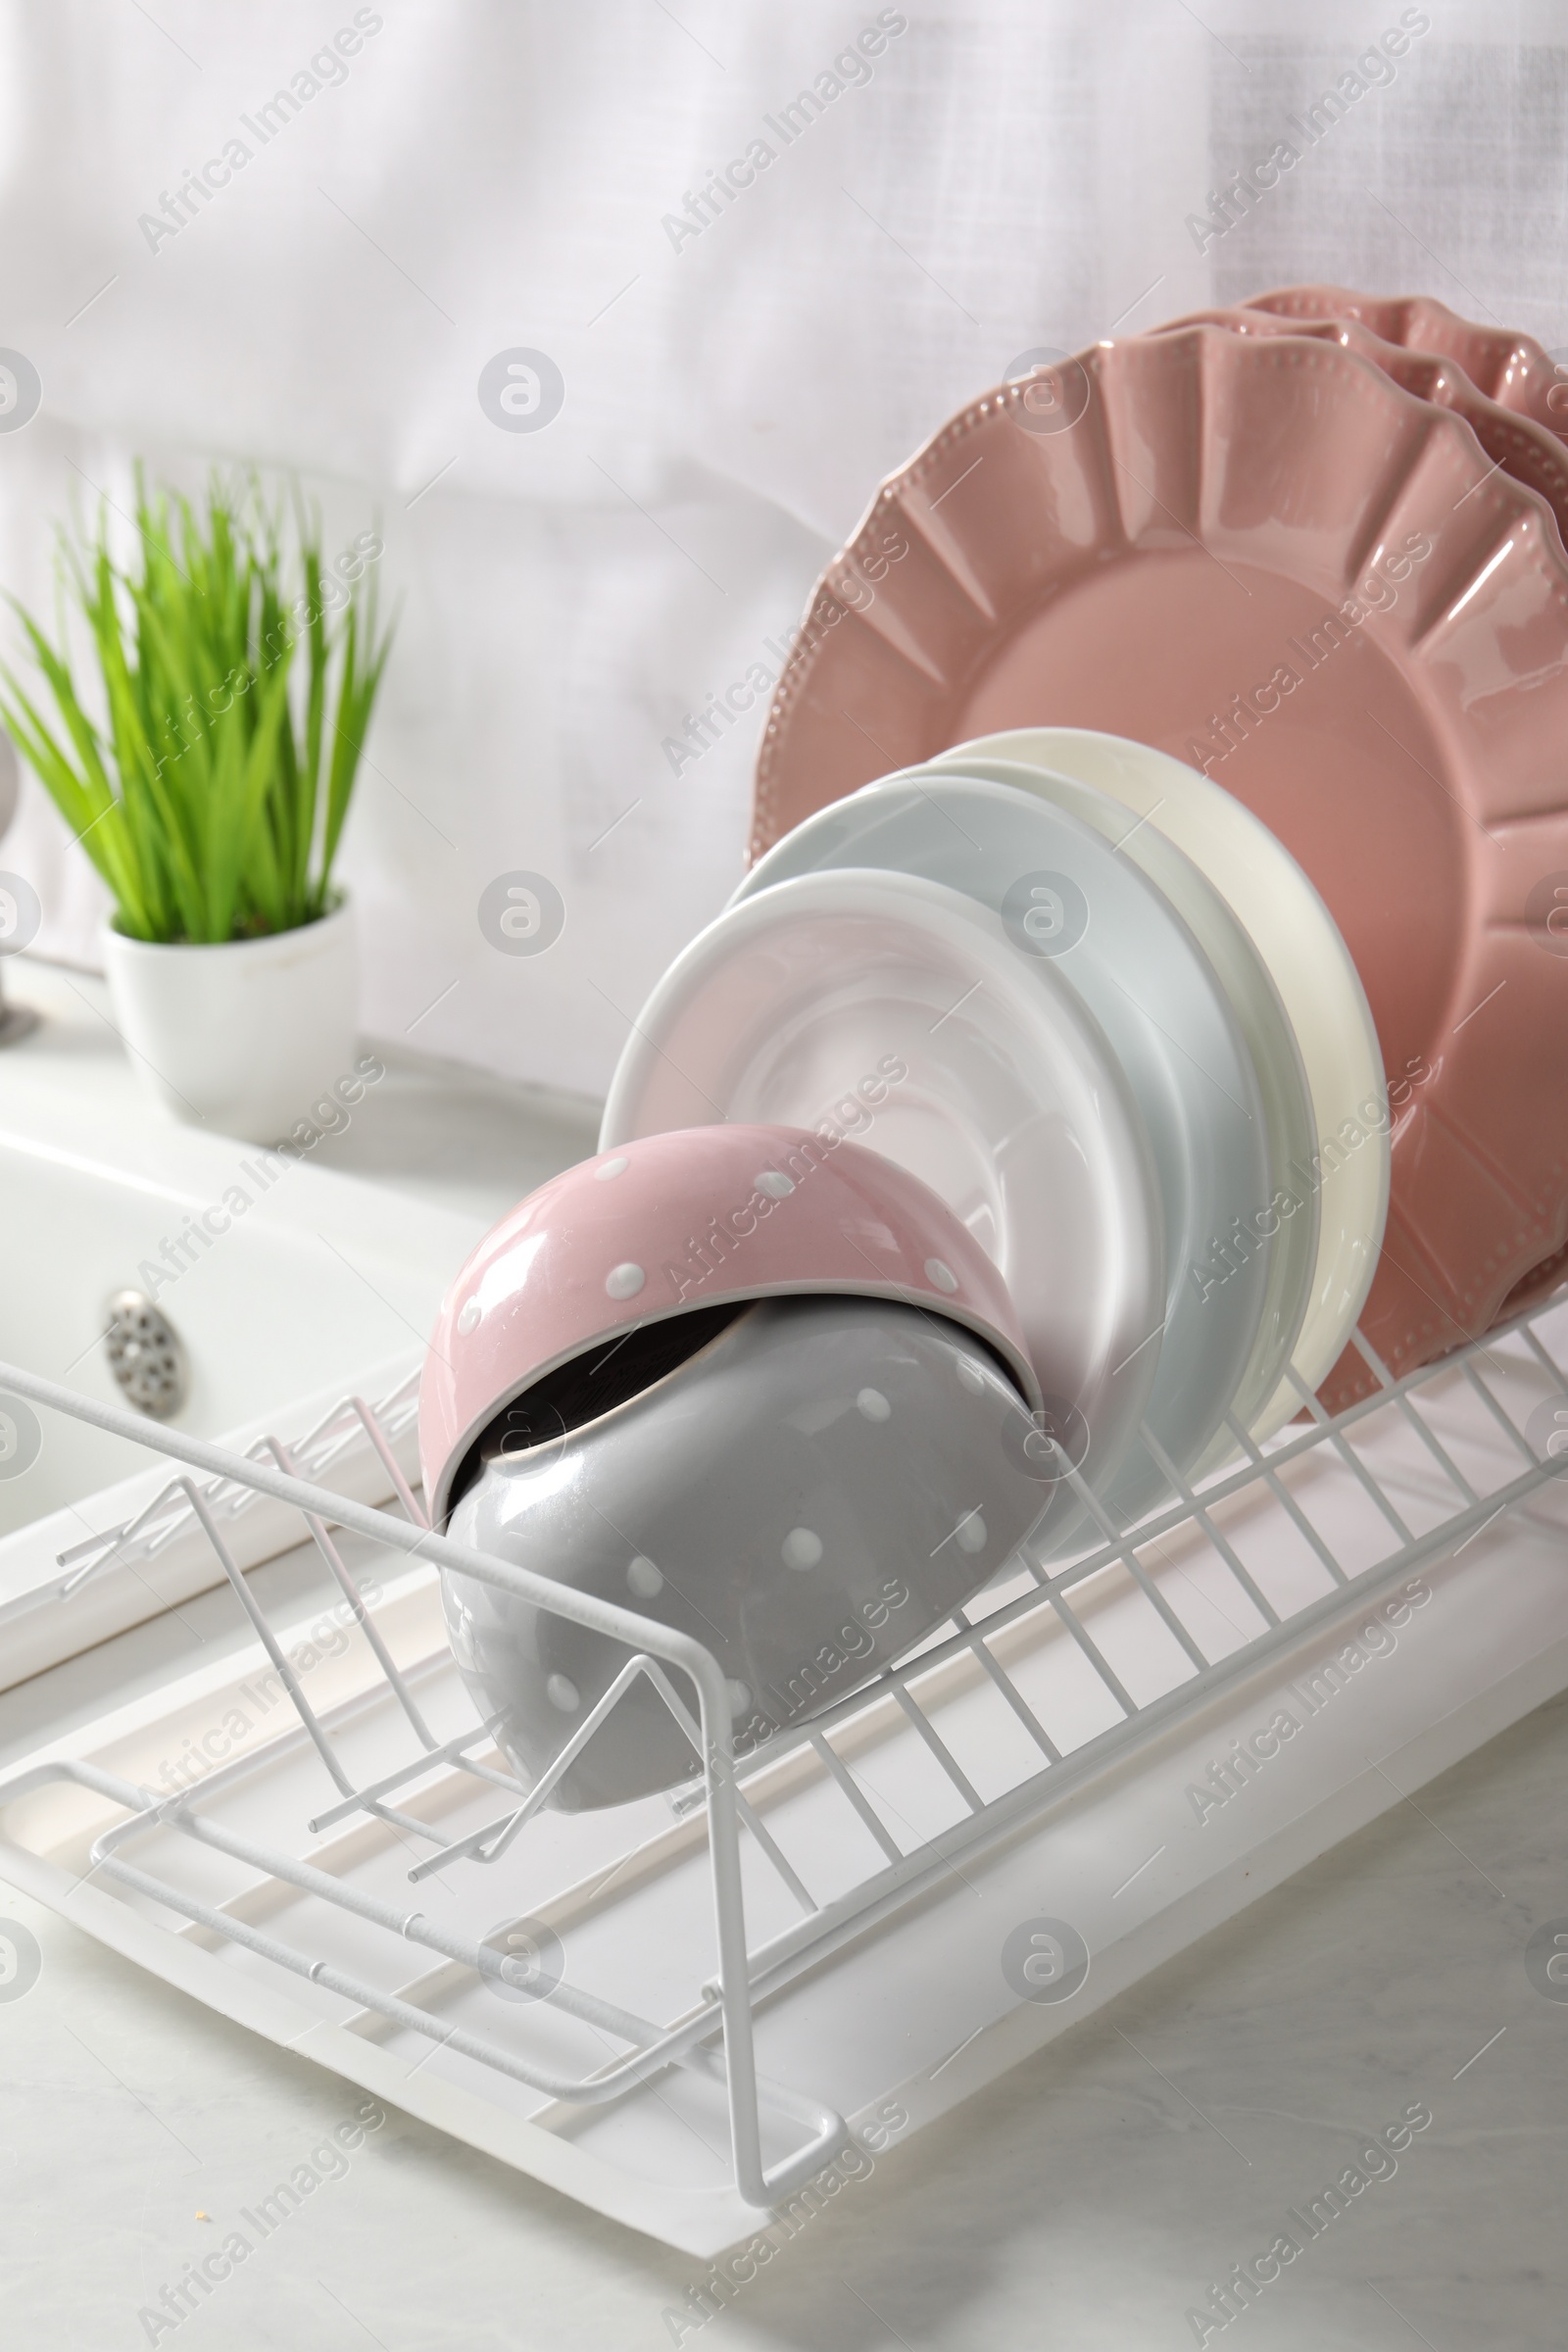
[(689, 2005)]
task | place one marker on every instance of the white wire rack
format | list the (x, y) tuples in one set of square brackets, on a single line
[(794, 1850), (172, 1513)]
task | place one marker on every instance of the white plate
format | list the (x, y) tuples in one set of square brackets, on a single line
[(1264, 1023), (1072, 907), (894, 1012), (1318, 984)]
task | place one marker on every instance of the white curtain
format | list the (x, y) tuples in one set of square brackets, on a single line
[(766, 249)]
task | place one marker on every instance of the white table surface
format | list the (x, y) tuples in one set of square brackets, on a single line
[(1086, 2202), (1083, 2203), (433, 1129)]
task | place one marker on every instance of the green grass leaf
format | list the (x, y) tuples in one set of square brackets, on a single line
[(206, 772)]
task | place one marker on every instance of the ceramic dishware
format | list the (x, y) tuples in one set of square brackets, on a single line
[(809, 1495), (601, 1264), (1289, 1215), (896, 1010), (1321, 996), (1507, 366), (1261, 556), (1510, 438), (1070, 905)]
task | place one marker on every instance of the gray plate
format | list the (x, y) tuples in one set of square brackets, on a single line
[(1257, 1003), (1069, 901)]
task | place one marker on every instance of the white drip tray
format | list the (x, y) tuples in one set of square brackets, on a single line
[(1049, 1783)]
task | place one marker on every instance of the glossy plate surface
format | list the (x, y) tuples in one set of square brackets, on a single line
[(1262, 556), (1320, 992), (1510, 368), (1511, 438), (1276, 1061), (895, 1010), (1072, 907)]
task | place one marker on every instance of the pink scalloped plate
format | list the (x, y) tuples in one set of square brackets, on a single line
[(1511, 440), (1262, 556), (1509, 367)]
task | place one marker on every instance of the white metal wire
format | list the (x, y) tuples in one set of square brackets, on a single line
[(351, 1421), (714, 2034)]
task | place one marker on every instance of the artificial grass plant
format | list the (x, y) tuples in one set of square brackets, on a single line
[(212, 794)]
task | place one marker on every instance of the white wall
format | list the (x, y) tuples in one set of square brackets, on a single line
[(490, 176)]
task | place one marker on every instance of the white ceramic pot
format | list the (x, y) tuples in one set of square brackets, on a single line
[(242, 1037)]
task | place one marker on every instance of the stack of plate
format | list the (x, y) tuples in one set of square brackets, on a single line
[(1090, 999), (1312, 552)]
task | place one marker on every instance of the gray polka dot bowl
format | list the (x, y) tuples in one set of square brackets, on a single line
[(808, 1486), (670, 1225)]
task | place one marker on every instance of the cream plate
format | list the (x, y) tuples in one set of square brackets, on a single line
[(1322, 993), (1281, 1075)]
